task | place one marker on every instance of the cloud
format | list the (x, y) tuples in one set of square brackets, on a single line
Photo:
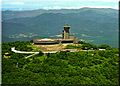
[(13, 2), (57, 1), (78, 7), (77, 0), (102, 0), (17, 3), (60, 4)]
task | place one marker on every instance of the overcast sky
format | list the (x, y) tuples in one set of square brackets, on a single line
[(58, 4)]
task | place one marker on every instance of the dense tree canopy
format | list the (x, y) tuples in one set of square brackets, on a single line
[(104, 46), (61, 68)]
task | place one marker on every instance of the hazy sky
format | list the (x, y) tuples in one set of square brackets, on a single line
[(57, 4)]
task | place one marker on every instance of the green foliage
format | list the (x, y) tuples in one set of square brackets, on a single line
[(73, 47), (40, 53), (81, 42), (87, 46), (82, 45), (104, 46), (62, 68)]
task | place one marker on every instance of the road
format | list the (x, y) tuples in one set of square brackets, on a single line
[(45, 52), (23, 52)]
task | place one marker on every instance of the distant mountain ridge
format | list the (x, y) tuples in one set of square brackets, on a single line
[(97, 25), (32, 13)]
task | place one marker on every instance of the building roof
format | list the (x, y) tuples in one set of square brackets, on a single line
[(46, 40)]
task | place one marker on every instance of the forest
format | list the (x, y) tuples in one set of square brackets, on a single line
[(99, 68)]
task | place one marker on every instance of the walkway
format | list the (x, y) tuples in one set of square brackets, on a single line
[(46, 52), (23, 52)]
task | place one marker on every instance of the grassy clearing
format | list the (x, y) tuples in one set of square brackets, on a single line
[(42, 58), (35, 48)]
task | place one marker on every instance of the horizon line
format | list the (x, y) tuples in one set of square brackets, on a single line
[(62, 8)]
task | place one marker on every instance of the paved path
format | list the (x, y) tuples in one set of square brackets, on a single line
[(24, 52), (45, 52), (31, 55)]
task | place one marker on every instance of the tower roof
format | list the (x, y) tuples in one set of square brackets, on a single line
[(66, 25)]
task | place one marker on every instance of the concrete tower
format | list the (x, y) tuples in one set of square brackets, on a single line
[(66, 32)]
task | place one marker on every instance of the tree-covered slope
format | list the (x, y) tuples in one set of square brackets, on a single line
[(63, 68)]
